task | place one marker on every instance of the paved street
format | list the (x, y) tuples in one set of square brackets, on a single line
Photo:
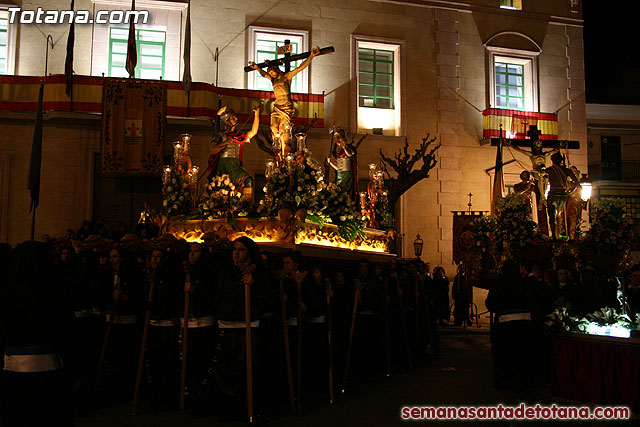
[(461, 375)]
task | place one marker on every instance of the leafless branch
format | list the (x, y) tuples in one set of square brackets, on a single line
[(403, 164)]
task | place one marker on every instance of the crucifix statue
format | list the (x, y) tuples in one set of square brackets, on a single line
[(538, 159), (283, 110)]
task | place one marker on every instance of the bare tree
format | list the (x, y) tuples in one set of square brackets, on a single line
[(403, 165)]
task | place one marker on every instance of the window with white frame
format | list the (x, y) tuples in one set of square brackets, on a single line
[(377, 72), (7, 43), (513, 81), (4, 41), (263, 45), (511, 4), (150, 46), (158, 42)]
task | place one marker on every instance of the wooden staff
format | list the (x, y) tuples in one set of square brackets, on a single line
[(386, 329), (427, 319), (404, 323), (107, 333), (329, 339), (247, 327), (353, 324), (299, 278), (415, 281), (287, 355), (185, 332), (145, 332)]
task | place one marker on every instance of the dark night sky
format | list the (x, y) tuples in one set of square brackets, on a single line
[(612, 57)]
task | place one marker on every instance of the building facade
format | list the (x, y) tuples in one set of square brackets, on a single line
[(613, 132), (401, 69)]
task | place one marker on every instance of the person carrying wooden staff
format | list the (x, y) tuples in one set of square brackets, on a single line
[(107, 334), (238, 303), (287, 350), (198, 338), (292, 289), (299, 278), (125, 285), (247, 279), (165, 283), (145, 330), (386, 327), (416, 289), (329, 293), (185, 340), (356, 299), (403, 319)]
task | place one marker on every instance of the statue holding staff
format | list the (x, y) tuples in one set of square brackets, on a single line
[(225, 155), (345, 161)]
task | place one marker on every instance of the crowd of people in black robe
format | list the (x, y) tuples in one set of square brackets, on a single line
[(61, 296), (525, 294)]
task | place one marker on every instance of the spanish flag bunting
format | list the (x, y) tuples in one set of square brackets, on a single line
[(515, 123), (20, 94)]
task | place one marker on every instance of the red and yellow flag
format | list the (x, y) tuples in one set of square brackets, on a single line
[(20, 93), (515, 123)]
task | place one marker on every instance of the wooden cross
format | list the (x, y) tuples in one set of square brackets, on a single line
[(469, 204), (286, 49), (287, 60), (534, 134)]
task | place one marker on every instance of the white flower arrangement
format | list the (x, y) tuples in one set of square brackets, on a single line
[(605, 321), (335, 206), (293, 189), (220, 197), (176, 199)]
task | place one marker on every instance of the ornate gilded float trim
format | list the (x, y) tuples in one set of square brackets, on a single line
[(280, 232)]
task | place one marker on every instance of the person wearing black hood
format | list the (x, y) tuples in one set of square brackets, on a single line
[(5, 255), (85, 230), (369, 331), (166, 275), (69, 271), (226, 377), (511, 300), (202, 326), (123, 292), (35, 320)]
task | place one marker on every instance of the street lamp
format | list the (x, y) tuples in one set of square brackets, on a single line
[(417, 246), (586, 188)]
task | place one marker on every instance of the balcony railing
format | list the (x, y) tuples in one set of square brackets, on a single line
[(627, 171)]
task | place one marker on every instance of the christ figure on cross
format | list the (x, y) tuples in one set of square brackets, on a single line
[(283, 110), (538, 159)]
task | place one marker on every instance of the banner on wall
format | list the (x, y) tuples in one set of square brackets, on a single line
[(133, 126)]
